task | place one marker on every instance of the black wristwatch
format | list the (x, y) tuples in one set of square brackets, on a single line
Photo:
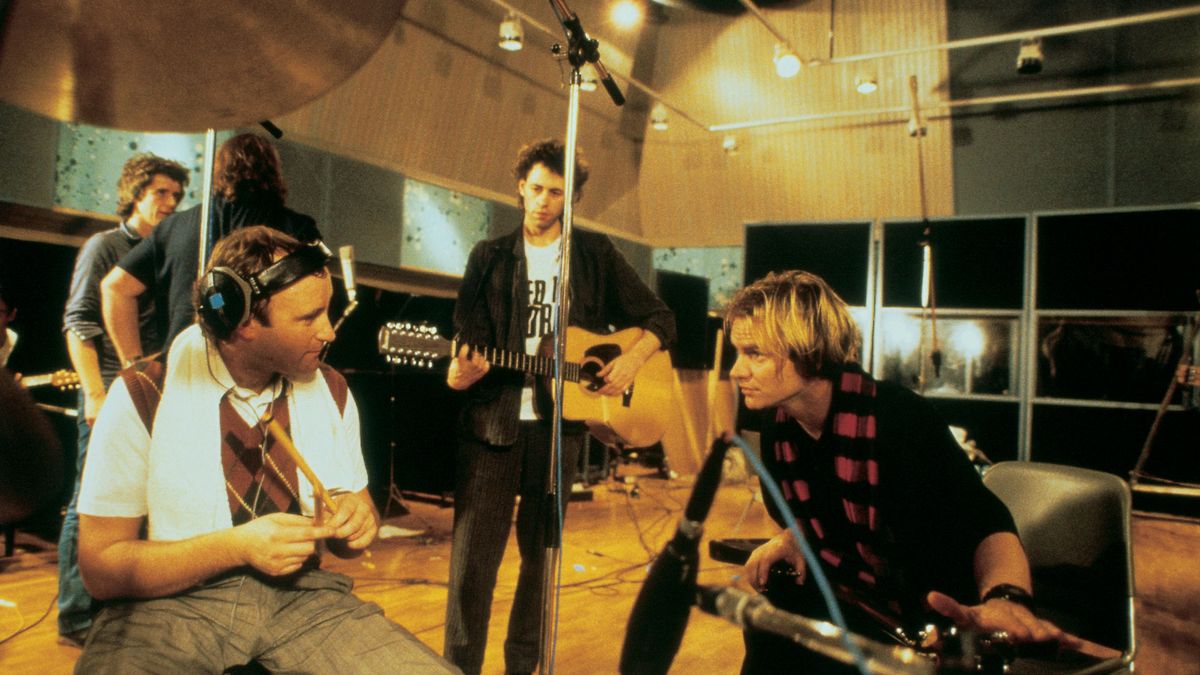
[(1011, 593)]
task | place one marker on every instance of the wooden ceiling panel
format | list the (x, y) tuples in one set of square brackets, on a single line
[(436, 103)]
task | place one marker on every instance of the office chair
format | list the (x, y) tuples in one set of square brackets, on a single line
[(1075, 525)]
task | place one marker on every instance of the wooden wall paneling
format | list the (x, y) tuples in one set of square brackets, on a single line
[(431, 105), (834, 169)]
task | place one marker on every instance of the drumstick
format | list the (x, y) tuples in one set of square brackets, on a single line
[(285, 442)]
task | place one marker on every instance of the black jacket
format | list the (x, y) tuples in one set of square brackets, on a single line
[(166, 261), (493, 309)]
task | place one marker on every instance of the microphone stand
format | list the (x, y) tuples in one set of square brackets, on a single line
[(210, 164), (580, 50)]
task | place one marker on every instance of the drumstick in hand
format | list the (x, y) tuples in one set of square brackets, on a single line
[(285, 442)]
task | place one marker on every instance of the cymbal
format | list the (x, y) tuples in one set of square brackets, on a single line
[(169, 65)]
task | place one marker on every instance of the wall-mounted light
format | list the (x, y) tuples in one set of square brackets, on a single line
[(1030, 56), (512, 34), (730, 144), (865, 84), (787, 64), (658, 117)]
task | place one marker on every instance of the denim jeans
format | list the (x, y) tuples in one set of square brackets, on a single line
[(75, 605)]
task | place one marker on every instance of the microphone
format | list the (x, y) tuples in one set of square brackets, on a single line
[(660, 613), (346, 256), (755, 613), (581, 48)]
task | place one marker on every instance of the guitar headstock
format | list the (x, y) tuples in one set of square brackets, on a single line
[(412, 344), (64, 380)]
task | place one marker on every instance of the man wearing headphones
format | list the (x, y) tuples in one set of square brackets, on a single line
[(228, 570)]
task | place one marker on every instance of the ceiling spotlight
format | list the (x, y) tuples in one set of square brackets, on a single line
[(512, 35), (1030, 57), (626, 14), (658, 117), (787, 64), (865, 84), (730, 145)]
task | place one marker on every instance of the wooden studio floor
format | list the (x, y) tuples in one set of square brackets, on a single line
[(604, 563), (608, 542)]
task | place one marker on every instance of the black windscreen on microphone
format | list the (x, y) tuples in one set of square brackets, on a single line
[(660, 613)]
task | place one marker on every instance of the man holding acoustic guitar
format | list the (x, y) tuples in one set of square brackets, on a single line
[(507, 301)]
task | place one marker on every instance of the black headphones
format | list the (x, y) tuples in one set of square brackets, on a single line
[(226, 297)]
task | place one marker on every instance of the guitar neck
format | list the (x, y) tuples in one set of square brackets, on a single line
[(31, 381), (526, 363)]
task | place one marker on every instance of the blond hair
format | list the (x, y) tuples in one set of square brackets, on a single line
[(796, 314)]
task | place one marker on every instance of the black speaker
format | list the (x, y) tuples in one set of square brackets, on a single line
[(687, 296)]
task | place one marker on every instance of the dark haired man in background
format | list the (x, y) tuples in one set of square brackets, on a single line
[(508, 299), (148, 191), (248, 189)]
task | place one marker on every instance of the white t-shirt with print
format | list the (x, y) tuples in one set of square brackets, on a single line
[(542, 264)]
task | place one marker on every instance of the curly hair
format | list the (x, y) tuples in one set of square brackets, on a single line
[(549, 151), (246, 165), (138, 172), (796, 314)]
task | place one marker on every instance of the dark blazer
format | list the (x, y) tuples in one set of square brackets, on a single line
[(493, 309)]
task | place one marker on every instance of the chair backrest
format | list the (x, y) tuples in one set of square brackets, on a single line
[(1075, 526)]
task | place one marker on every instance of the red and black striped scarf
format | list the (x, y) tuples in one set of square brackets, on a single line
[(855, 561)]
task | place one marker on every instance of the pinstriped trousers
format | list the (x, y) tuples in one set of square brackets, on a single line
[(488, 478)]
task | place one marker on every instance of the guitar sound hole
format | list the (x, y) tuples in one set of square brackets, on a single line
[(595, 359), (587, 375)]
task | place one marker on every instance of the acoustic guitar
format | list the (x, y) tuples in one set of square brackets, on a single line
[(64, 380), (637, 416)]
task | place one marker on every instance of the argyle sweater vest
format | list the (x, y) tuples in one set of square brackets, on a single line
[(260, 476)]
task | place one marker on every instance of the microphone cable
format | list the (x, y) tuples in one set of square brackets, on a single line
[(814, 565)]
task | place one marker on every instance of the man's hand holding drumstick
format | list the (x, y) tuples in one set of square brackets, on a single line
[(351, 514)]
